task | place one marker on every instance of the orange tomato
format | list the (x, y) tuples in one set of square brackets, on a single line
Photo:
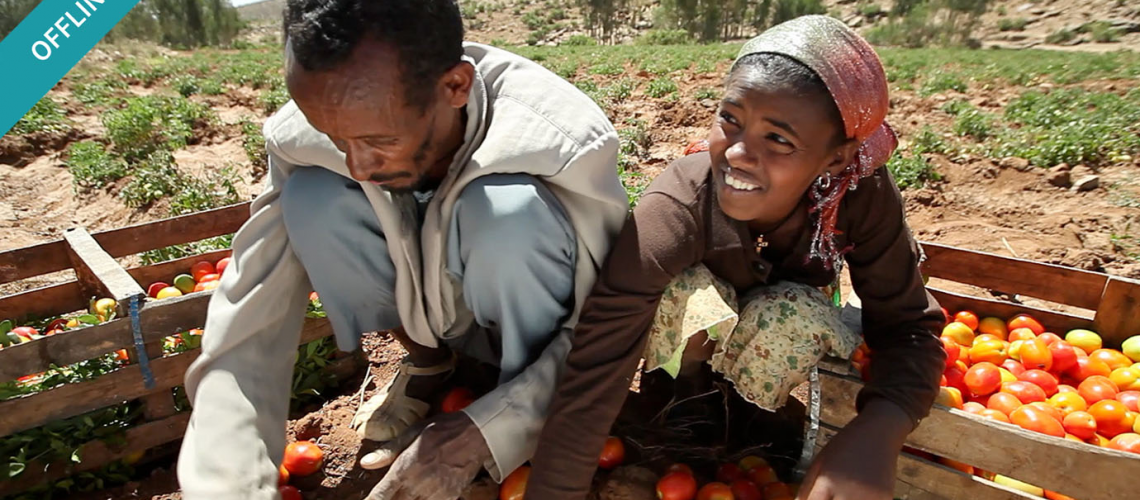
[(1021, 334), (987, 337), (1098, 440), (1003, 402), (1049, 338), (967, 318), (1034, 419), (983, 378), (1049, 409), (1111, 417), (1113, 358), (952, 350), (1129, 442), (778, 491), (674, 486), (1096, 388), (949, 396), (973, 407), (1088, 367), (1035, 355), (991, 351), (222, 264), (747, 463), (282, 476), (121, 355), (994, 415), (994, 326), (1068, 402), (1025, 321), (1024, 391), (762, 475), (303, 458), (613, 453), (1052, 495), (1131, 400), (1064, 356), (960, 333), (1014, 367), (715, 491), (209, 277), (954, 464), (201, 268), (514, 486)]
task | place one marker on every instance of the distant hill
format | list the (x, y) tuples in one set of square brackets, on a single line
[(266, 10)]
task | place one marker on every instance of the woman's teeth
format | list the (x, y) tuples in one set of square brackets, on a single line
[(738, 184)]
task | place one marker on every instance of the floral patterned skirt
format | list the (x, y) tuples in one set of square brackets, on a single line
[(767, 342)]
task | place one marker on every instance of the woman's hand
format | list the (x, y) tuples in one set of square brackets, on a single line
[(859, 463)]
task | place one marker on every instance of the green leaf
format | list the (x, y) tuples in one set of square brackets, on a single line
[(5, 326), (89, 319), (15, 469)]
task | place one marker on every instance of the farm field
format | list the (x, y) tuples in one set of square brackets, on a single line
[(1033, 154)]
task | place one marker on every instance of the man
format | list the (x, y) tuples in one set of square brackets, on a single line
[(457, 194)]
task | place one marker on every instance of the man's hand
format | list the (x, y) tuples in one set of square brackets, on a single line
[(859, 463), (435, 460)]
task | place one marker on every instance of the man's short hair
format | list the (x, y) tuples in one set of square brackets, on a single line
[(427, 36)]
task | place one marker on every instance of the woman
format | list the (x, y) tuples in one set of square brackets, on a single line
[(724, 257)]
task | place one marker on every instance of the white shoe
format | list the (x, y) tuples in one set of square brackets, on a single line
[(391, 411)]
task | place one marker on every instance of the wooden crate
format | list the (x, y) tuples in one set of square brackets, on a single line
[(1084, 472), (92, 257)]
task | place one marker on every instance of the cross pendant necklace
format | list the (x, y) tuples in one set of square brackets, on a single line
[(760, 244)]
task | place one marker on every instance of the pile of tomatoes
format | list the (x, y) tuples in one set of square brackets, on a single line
[(750, 479), (1016, 372)]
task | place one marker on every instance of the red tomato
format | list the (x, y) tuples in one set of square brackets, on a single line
[(1034, 419), (728, 473), (744, 489), (715, 491), (953, 351), (1080, 424), (200, 269), (26, 332), (1129, 442), (1096, 388), (1050, 338), (456, 400), (1035, 355), (222, 264), (675, 486), (1004, 402), (955, 377), (1024, 391), (1064, 356), (1042, 379), (696, 146), (613, 453), (514, 486), (58, 324), (1131, 400), (679, 467), (282, 476), (289, 493), (983, 379), (154, 288), (1025, 321), (1013, 366), (967, 318), (121, 355), (303, 458), (778, 491)]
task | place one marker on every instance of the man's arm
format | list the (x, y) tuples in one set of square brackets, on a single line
[(239, 386)]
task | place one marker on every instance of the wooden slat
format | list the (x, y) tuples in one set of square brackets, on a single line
[(69, 400), (43, 302), (33, 261), (166, 271), (178, 230), (1060, 284), (1119, 314), (1062, 322), (97, 271), (1090, 473), (96, 454), (921, 479)]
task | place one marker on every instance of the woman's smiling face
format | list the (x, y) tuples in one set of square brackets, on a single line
[(771, 139)]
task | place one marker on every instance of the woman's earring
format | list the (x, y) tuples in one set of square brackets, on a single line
[(823, 181)]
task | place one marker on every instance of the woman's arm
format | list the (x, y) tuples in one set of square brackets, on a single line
[(659, 240)]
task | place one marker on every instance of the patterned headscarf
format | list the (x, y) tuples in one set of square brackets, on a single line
[(855, 78)]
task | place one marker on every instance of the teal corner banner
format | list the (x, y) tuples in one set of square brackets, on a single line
[(47, 44)]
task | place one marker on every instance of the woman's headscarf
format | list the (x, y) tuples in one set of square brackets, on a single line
[(854, 76)]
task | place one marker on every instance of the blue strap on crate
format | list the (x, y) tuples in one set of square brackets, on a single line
[(133, 305)]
